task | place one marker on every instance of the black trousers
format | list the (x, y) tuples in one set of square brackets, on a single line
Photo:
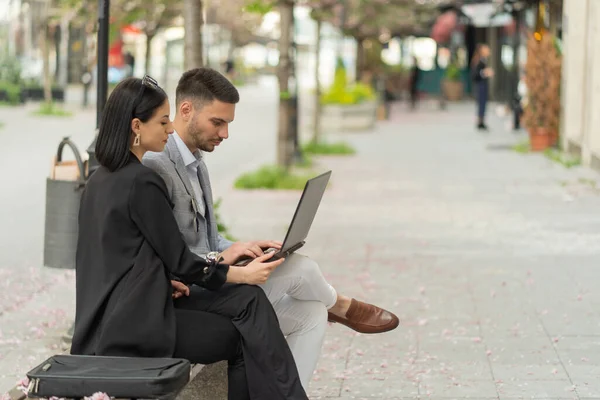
[(414, 96), (237, 323), (482, 98)]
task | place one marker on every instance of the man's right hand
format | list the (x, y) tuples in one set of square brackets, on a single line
[(253, 249), (255, 273), (238, 250)]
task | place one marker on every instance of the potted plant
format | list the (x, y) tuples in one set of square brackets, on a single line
[(542, 78), (348, 106), (452, 84)]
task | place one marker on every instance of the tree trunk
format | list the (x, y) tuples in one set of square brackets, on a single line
[(317, 115), (46, 62), (192, 22), (285, 145), (65, 24), (149, 37), (360, 58)]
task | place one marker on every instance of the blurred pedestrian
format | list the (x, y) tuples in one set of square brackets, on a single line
[(481, 74), (230, 69), (129, 60), (413, 83)]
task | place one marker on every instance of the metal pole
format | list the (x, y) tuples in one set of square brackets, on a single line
[(102, 85), (103, 26), (517, 68)]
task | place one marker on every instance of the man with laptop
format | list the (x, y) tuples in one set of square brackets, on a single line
[(302, 298)]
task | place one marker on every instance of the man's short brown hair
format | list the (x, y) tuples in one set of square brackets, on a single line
[(203, 86)]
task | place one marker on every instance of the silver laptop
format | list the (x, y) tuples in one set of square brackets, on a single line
[(302, 220)]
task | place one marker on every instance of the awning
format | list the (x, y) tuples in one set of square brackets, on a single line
[(485, 15)]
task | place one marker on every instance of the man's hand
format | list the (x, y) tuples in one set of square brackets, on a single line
[(180, 289), (247, 249)]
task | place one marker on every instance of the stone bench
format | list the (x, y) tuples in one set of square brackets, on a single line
[(206, 382)]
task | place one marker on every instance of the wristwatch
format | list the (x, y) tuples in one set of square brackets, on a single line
[(214, 256)]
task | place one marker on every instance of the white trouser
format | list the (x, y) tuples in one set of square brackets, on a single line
[(301, 297)]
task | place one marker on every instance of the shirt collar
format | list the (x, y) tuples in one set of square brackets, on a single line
[(188, 157)]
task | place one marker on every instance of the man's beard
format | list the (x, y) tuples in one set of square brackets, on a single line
[(195, 135)]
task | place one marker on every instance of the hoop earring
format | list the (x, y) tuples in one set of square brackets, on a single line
[(136, 141)]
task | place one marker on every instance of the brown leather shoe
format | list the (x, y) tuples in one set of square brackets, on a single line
[(366, 318)]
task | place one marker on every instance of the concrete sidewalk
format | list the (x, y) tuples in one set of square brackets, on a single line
[(488, 256)]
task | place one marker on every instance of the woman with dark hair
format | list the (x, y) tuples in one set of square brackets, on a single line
[(129, 248), (481, 74)]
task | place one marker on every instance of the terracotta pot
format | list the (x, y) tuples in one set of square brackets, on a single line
[(540, 139), (453, 90)]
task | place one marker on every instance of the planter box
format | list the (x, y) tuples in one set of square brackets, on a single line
[(354, 117), (4, 97), (453, 90), (37, 94)]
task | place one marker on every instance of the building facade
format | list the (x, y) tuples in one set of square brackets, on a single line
[(580, 122)]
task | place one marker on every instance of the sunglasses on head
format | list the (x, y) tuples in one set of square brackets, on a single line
[(147, 81)]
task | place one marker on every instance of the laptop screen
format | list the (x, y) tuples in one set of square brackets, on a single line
[(306, 210)]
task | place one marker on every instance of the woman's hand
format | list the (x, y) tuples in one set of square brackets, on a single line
[(255, 273), (180, 289)]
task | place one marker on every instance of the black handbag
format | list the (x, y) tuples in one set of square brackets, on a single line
[(72, 376)]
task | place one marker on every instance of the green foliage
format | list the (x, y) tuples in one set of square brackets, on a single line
[(562, 158), (342, 93), (285, 95), (51, 109), (10, 79), (395, 69), (340, 78), (221, 228), (522, 147), (558, 46), (272, 177), (337, 148), (306, 162), (553, 154), (10, 69), (589, 182), (12, 92), (354, 94), (36, 84), (261, 7), (453, 73)]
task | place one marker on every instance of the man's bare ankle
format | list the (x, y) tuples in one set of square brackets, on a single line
[(341, 306)]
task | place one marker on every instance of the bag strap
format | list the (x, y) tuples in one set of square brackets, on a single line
[(67, 142)]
